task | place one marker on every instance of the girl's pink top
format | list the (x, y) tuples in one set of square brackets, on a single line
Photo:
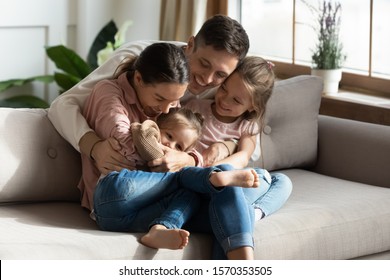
[(215, 130)]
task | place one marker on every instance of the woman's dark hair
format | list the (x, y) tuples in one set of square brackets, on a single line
[(224, 33), (158, 63)]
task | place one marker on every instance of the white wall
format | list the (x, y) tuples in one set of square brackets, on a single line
[(26, 26)]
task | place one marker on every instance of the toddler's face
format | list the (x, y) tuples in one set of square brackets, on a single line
[(180, 138)]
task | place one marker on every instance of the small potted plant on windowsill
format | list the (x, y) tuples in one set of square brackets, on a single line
[(328, 56)]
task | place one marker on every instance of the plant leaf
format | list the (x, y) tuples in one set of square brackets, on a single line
[(24, 101), (19, 82), (68, 61), (120, 36), (106, 34), (105, 53), (65, 81)]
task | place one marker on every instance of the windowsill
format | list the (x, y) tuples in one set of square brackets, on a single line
[(357, 106), (361, 98)]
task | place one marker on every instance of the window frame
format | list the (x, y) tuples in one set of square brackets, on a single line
[(366, 84)]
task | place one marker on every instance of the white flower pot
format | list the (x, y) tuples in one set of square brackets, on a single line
[(331, 78)]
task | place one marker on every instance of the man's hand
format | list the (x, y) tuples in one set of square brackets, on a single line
[(214, 153), (107, 158), (172, 161)]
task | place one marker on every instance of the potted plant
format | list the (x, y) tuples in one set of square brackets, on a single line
[(328, 56)]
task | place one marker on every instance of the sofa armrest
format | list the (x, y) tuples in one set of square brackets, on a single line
[(353, 150)]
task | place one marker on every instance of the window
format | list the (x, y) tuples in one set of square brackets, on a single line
[(281, 31)]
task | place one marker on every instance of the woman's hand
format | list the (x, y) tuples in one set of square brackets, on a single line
[(107, 157), (172, 161)]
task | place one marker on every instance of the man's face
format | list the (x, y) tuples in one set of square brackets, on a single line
[(208, 67)]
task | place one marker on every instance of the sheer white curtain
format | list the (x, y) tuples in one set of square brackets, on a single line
[(181, 18)]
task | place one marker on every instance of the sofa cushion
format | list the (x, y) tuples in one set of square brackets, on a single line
[(290, 133), (64, 230), (37, 164), (325, 218)]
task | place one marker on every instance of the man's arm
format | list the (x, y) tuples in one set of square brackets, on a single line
[(65, 112)]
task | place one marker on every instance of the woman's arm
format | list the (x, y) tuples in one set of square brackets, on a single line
[(65, 113), (105, 153), (172, 161), (245, 148), (111, 117)]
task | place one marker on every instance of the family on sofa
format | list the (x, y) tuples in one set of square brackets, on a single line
[(149, 84), (333, 211)]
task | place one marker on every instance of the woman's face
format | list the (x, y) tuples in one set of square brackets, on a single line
[(232, 99), (158, 98)]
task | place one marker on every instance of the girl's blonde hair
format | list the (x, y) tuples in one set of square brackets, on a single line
[(181, 118), (259, 78)]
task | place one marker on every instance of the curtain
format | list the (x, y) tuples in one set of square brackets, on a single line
[(181, 19), (215, 7)]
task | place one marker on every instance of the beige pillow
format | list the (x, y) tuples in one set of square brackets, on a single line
[(290, 134)]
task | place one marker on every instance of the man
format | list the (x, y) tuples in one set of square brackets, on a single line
[(213, 54)]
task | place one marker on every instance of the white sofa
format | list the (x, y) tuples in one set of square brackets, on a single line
[(339, 207)]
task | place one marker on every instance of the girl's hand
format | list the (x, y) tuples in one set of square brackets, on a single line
[(107, 157), (214, 153), (172, 161)]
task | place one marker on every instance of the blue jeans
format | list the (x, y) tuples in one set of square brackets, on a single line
[(133, 200), (272, 194)]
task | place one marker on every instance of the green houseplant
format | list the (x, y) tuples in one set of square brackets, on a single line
[(328, 56), (72, 68)]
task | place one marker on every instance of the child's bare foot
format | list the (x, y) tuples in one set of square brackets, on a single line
[(160, 237), (246, 178)]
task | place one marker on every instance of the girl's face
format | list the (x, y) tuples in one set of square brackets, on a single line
[(232, 99), (178, 138), (158, 98)]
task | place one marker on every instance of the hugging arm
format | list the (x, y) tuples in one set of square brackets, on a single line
[(172, 161), (106, 114), (241, 157), (65, 113), (218, 151)]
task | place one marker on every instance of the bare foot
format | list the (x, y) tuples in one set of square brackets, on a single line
[(160, 237), (246, 178)]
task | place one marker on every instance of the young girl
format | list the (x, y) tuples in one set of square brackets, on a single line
[(145, 87), (237, 112), (179, 130)]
